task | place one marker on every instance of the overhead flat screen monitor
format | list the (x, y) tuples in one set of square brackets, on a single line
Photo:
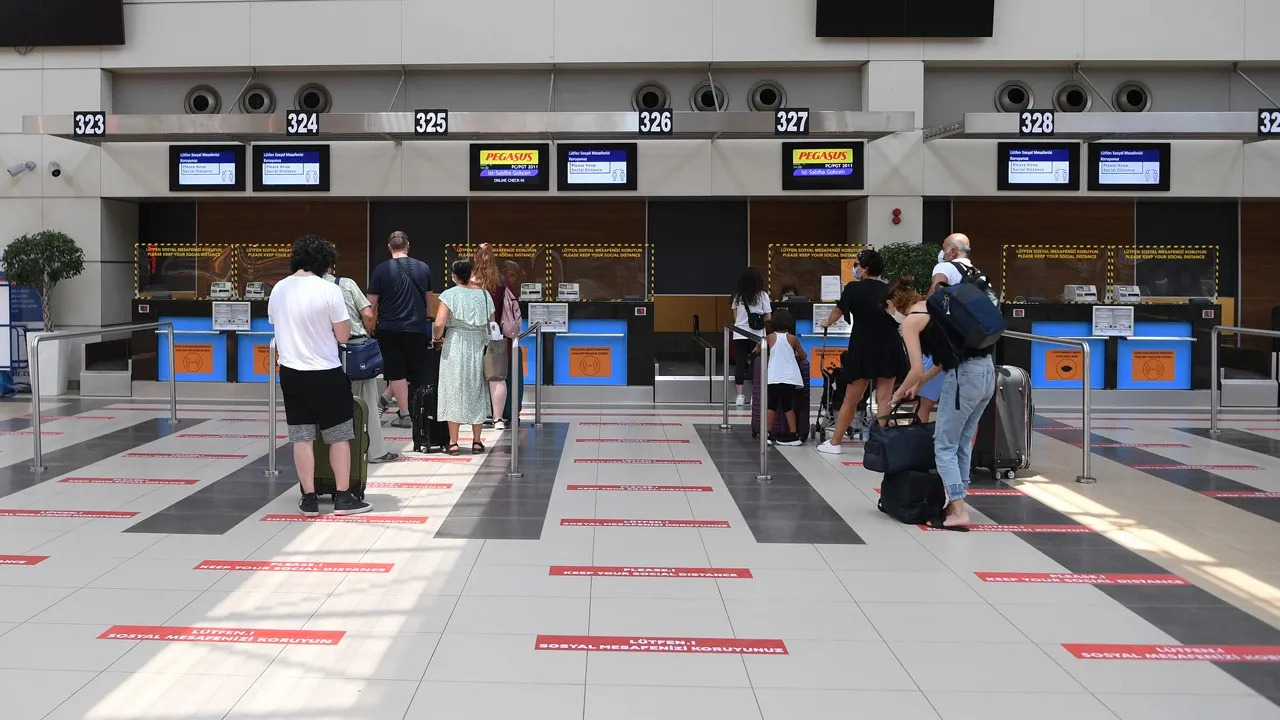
[(61, 23), (510, 167), (596, 167), (905, 18), (206, 168), (1038, 166), (1132, 168), (828, 165), (291, 168)]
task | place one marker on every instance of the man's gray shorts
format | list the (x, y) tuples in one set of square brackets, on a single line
[(335, 434)]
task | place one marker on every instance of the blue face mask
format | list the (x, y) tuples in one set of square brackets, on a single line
[(857, 273)]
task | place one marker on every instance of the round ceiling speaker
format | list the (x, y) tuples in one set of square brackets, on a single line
[(258, 100), (1014, 96), (708, 97), (1132, 96), (650, 96), (202, 100), (1072, 97), (766, 95), (313, 97)]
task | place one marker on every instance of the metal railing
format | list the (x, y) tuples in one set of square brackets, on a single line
[(272, 381), (33, 358), (1086, 474), (535, 329), (1215, 400), (763, 340)]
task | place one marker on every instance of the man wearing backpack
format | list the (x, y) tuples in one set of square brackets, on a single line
[(955, 249), (400, 294)]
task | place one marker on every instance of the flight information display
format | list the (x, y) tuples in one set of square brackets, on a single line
[(822, 166), (1133, 167), (509, 167), (1038, 166), (291, 167), (207, 168), (596, 167)]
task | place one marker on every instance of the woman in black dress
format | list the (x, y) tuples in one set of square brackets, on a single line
[(875, 347)]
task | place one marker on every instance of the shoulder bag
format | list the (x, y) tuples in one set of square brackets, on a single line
[(361, 357)]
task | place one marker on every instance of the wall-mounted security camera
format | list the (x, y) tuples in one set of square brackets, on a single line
[(55, 169), (16, 170)]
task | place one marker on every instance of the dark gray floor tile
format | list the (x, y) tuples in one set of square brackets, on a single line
[(490, 528), (818, 533)]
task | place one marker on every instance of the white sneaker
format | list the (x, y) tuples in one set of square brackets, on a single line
[(793, 441), (499, 425), (740, 401), (830, 449)]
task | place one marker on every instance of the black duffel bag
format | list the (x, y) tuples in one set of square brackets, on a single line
[(912, 497), (899, 447)]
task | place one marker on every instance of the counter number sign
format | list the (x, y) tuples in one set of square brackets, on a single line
[(88, 123), (1035, 123), (656, 122), (1269, 122), (299, 123), (791, 121), (431, 122)]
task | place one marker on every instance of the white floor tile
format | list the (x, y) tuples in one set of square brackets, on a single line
[(524, 581), (983, 667), (941, 623), (605, 702), (777, 584), (830, 665), (799, 620), (383, 614), (359, 657), (662, 618), (666, 670), (277, 611), (1144, 677), (1083, 624), (32, 646), (462, 657), (183, 658), (1190, 707), (495, 701), (117, 607), (19, 604), (784, 704), (942, 586), (1018, 706), (324, 699), (34, 693), (69, 570), (520, 616), (120, 696), (157, 575)]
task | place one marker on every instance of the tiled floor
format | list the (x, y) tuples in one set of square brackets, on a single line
[(638, 569)]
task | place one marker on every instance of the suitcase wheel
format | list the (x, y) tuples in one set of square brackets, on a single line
[(1009, 475)]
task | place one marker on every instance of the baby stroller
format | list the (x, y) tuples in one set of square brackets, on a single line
[(834, 387)]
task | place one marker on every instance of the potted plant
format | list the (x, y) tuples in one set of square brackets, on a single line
[(41, 261), (913, 259)]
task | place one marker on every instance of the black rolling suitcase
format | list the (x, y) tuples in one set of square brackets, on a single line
[(429, 434), (1004, 433)]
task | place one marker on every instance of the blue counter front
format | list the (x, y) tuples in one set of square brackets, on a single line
[(201, 352), (1062, 368), (252, 351), (593, 352), (1157, 357)]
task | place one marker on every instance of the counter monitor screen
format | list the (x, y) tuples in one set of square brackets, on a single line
[(596, 167), (208, 168), (1129, 167), (509, 167), (834, 165), (1038, 166), (291, 168)]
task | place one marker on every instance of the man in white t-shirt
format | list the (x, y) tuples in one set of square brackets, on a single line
[(310, 319), (955, 249)]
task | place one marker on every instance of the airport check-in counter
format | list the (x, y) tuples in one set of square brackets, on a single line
[(1168, 350), (203, 354), (606, 343)]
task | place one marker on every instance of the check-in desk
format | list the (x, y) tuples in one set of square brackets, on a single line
[(203, 354), (607, 344), (1169, 348)]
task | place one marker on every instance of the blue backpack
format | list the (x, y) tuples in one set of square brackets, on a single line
[(968, 311)]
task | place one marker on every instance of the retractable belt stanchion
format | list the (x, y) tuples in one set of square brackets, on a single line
[(272, 380), (516, 379), (1086, 473), (763, 340)]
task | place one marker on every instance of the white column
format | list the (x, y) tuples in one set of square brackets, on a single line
[(894, 164)]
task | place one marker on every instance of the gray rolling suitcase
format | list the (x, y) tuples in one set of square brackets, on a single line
[(1004, 433)]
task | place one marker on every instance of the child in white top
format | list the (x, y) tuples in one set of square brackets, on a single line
[(785, 381)]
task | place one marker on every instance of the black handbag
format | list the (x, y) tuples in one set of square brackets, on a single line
[(899, 448)]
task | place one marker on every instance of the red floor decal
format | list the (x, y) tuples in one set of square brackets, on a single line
[(1195, 467), (852, 463), (128, 481), (117, 514), (430, 459), (369, 519), (1241, 494), (22, 559), (44, 417), (995, 527), (30, 432), (258, 436), (274, 566), (609, 522), (1135, 445), (409, 486), (985, 492), (631, 424), (161, 633), (634, 461), (637, 441), (240, 420), (185, 456), (648, 572), (644, 488), (1081, 578), (1069, 428), (1198, 653), (1263, 429), (709, 646)]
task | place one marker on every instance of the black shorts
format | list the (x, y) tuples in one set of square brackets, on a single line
[(782, 397), (317, 400), (404, 354)]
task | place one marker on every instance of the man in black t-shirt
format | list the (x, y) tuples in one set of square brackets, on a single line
[(400, 292)]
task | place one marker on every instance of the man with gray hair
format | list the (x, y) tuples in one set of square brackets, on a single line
[(955, 249)]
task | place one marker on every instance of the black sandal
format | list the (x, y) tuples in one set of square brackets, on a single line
[(477, 447), (453, 449)]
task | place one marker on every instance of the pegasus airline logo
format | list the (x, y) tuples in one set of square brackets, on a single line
[(508, 157), (822, 156)]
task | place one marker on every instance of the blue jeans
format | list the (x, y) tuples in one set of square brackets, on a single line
[(965, 394)]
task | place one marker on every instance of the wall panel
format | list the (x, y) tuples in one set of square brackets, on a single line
[(1260, 266), (430, 226), (800, 222), (345, 224)]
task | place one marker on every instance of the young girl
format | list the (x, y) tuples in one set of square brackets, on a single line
[(968, 382), (785, 382)]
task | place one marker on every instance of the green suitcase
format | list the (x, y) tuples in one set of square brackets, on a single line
[(359, 456)]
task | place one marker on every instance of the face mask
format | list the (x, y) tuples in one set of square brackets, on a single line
[(857, 272), (897, 316), (942, 256)]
